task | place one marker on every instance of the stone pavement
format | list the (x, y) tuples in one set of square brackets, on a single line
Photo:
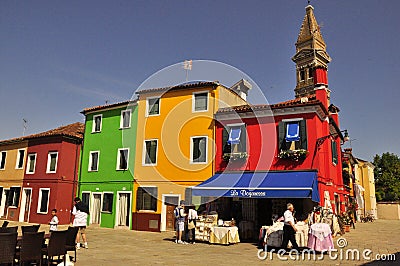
[(126, 247)]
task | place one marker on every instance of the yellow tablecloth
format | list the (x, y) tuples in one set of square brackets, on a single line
[(224, 235)]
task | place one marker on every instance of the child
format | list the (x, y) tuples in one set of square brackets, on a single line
[(54, 221)]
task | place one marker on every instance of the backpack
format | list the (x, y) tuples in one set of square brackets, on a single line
[(177, 212)]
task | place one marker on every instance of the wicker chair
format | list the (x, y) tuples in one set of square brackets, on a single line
[(70, 244), (8, 242), (56, 246), (31, 248), (11, 229), (30, 228)]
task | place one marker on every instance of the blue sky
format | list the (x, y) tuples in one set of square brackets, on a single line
[(59, 57)]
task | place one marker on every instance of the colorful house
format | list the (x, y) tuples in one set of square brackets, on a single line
[(268, 155), (107, 165), (12, 168), (51, 174), (365, 181), (175, 146)]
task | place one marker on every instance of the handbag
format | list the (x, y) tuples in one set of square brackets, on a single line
[(191, 225)]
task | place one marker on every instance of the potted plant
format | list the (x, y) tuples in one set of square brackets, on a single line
[(294, 155)]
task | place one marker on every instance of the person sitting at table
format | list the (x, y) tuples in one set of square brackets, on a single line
[(289, 230)]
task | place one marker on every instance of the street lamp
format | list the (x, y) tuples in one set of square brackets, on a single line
[(322, 139)]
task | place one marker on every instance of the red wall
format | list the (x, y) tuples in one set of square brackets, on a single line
[(62, 184)]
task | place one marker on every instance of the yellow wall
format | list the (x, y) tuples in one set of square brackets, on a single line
[(174, 127), (11, 176), (364, 172)]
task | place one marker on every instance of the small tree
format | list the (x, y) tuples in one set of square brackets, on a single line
[(387, 177)]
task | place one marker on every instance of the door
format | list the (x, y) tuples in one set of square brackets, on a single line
[(96, 209), (170, 202), (25, 205), (124, 200)]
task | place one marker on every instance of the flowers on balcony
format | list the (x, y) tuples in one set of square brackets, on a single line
[(294, 155), (235, 156)]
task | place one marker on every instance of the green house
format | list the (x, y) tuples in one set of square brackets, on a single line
[(107, 162)]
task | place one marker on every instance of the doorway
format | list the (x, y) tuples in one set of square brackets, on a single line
[(96, 209), (25, 205), (123, 209), (170, 202)]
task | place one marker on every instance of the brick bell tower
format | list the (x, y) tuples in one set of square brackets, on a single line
[(311, 58)]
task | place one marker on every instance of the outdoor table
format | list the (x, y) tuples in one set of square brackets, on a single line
[(320, 237), (224, 235), (21, 237)]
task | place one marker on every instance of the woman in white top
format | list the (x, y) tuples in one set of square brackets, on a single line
[(80, 211), (192, 217)]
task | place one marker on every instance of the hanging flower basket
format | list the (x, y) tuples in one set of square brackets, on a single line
[(294, 155), (235, 156)]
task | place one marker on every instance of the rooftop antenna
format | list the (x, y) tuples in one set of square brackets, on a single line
[(25, 122), (187, 65)]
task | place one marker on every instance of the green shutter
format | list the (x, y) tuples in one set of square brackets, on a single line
[(334, 152), (281, 135), (226, 148), (243, 139), (303, 134)]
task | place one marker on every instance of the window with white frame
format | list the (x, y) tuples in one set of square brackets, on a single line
[(146, 199), (107, 202), (94, 161), (3, 157), (198, 149), (153, 106), (97, 120), (86, 198), (125, 119), (30, 168), (150, 152), (13, 196), (20, 159), (122, 159), (52, 159), (200, 101), (43, 201)]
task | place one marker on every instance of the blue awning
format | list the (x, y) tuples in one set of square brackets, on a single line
[(283, 184), (234, 135), (292, 132)]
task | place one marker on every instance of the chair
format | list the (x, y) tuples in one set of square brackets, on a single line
[(8, 242), (56, 246), (70, 244), (11, 229), (5, 223), (31, 247), (30, 228)]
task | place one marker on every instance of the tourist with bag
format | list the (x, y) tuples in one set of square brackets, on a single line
[(192, 217), (180, 215)]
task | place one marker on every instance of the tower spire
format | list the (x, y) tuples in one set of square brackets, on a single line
[(311, 57)]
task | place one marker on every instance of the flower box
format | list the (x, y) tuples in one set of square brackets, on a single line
[(294, 155), (235, 156)]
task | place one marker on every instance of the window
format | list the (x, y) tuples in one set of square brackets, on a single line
[(97, 119), (310, 73), (13, 196), (146, 198), (122, 159), (30, 169), (43, 202), (302, 75), (198, 153), (20, 159), (52, 159), (3, 160), (1, 194), (94, 161), (153, 106), (292, 134), (234, 138), (334, 152), (200, 101), (107, 202), (125, 119), (150, 152), (85, 198)]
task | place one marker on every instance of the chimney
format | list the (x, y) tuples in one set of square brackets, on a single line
[(242, 88)]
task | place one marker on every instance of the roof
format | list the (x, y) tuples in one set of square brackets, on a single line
[(74, 130), (112, 105), (186, 85)]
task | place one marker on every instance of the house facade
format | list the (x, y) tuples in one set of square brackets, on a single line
[(107, 163), (365, 179), (175, 147), (51, 174), (12, 167)]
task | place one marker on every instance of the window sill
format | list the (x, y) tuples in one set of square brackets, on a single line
[(94, 132), (149, 115), (198, 162), (154, 164), (126, 169), (42, 212), (51, 172), (199, 111), (30, 173), (146, 211), (122, 128), (93, 170), (13, 207), (106, 212)]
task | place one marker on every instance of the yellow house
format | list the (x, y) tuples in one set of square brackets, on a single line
[(175, 146), (364, 177), (12, 169)]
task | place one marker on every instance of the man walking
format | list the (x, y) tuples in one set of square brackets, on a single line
[(289, 230)]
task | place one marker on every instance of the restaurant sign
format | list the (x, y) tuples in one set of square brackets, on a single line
[(246, 193)]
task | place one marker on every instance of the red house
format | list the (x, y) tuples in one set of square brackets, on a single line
[(51, 173), (269, 155)]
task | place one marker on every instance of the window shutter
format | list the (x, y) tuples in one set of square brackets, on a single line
[(303, 134), (243, 139), (139, 199), (226, 148), (281, 136)]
